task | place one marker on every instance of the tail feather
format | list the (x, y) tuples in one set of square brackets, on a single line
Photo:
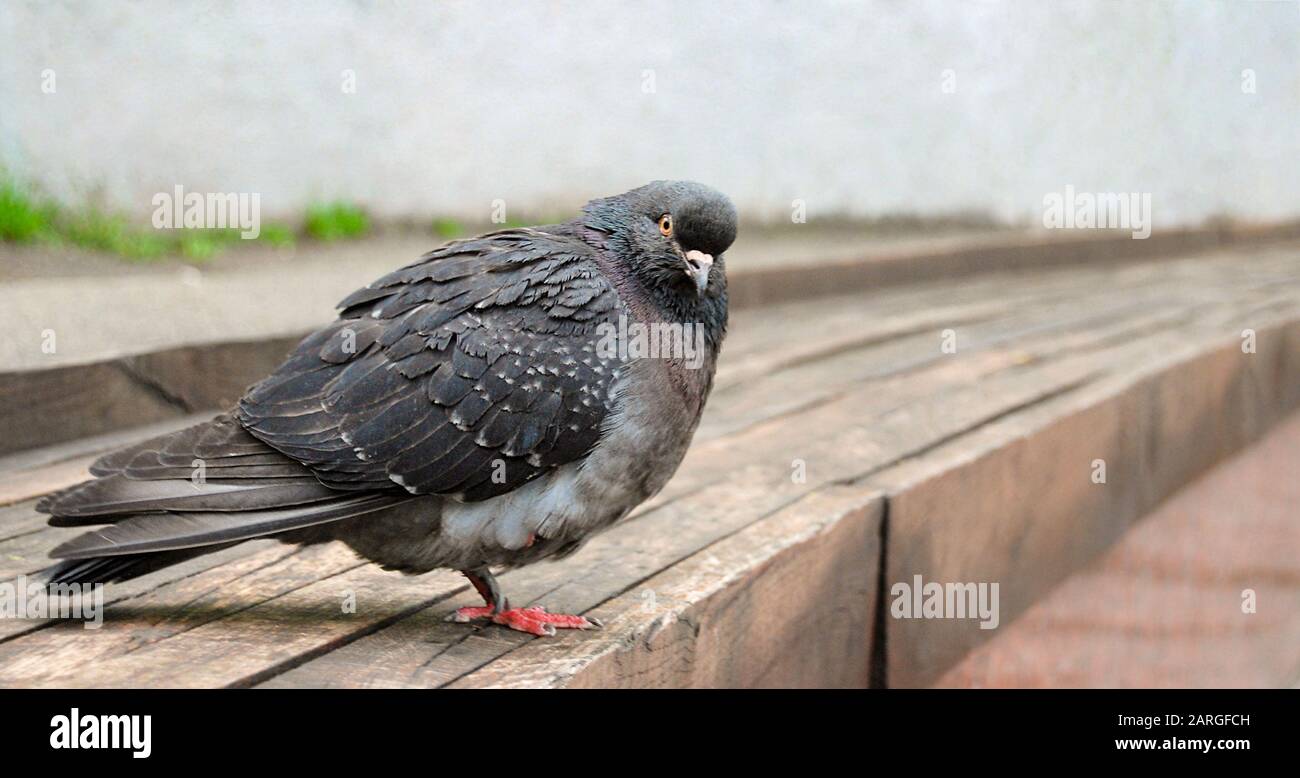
[(97, 501), (155, 516), (173, 531), (124, 567)]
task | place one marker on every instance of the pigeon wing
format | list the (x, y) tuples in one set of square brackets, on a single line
[(469, 372)]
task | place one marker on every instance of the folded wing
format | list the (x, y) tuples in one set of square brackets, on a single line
[(470, 372)]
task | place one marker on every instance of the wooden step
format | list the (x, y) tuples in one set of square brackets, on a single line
[(114, 372), (841, 434), (1204, 593)]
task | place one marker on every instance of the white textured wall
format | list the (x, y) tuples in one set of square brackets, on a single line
[(541, 104)]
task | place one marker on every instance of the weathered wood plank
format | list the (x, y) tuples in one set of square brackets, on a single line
[(153, 625), (917, 420), (736, 497), (12, 628), (34, 472), (1035, 334), (62, 403), (787, 602), (1164, 607), (68, 402), (1021, 253), (40, 407), (1016, 504), (758, 484), (732, 486), (28, 552)]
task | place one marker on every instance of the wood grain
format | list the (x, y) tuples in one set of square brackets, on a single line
[(757, 577)]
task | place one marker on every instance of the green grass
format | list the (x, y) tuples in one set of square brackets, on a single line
[(277, 235), (96, 230), (24, 218), (336, 221), (448, 228)]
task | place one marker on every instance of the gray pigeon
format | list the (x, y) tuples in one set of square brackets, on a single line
[(493, 404)]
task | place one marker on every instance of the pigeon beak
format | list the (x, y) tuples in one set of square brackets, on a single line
[(698, 265)]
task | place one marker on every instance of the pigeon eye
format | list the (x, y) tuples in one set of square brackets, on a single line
[(666, 225)]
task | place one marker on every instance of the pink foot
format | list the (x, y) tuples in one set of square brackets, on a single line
[(534, 620)]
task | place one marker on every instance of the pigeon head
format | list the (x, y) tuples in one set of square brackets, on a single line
[(670, 236)]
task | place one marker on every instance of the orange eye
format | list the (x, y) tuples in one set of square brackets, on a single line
[(666, 225)]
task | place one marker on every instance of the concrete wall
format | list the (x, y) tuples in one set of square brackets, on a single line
[(545, 104)]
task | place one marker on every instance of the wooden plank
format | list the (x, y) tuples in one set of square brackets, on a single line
[(1163, 608), (68, 402), (66, 654), (758, 484), (34, 472), (457, 656), (33, 459), (733, 482), (787, 602), (50, 478), (27, 553), (1054, 306), (213, 375), (58, 404), (116, 593), (1036, 333), (1020, 253), (1015, 504), (805, 322), (940, 373), (956, 402), (20, 519), (786, 350), (41, 407)]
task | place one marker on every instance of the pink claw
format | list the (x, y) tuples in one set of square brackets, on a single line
[(534, 620)]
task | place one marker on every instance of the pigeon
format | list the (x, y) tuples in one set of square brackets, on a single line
[(493, 404)]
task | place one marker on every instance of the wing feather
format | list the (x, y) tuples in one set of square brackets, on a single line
[(482, 352)]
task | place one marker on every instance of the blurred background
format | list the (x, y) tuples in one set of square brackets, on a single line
[(859, 109), (908, 322)]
